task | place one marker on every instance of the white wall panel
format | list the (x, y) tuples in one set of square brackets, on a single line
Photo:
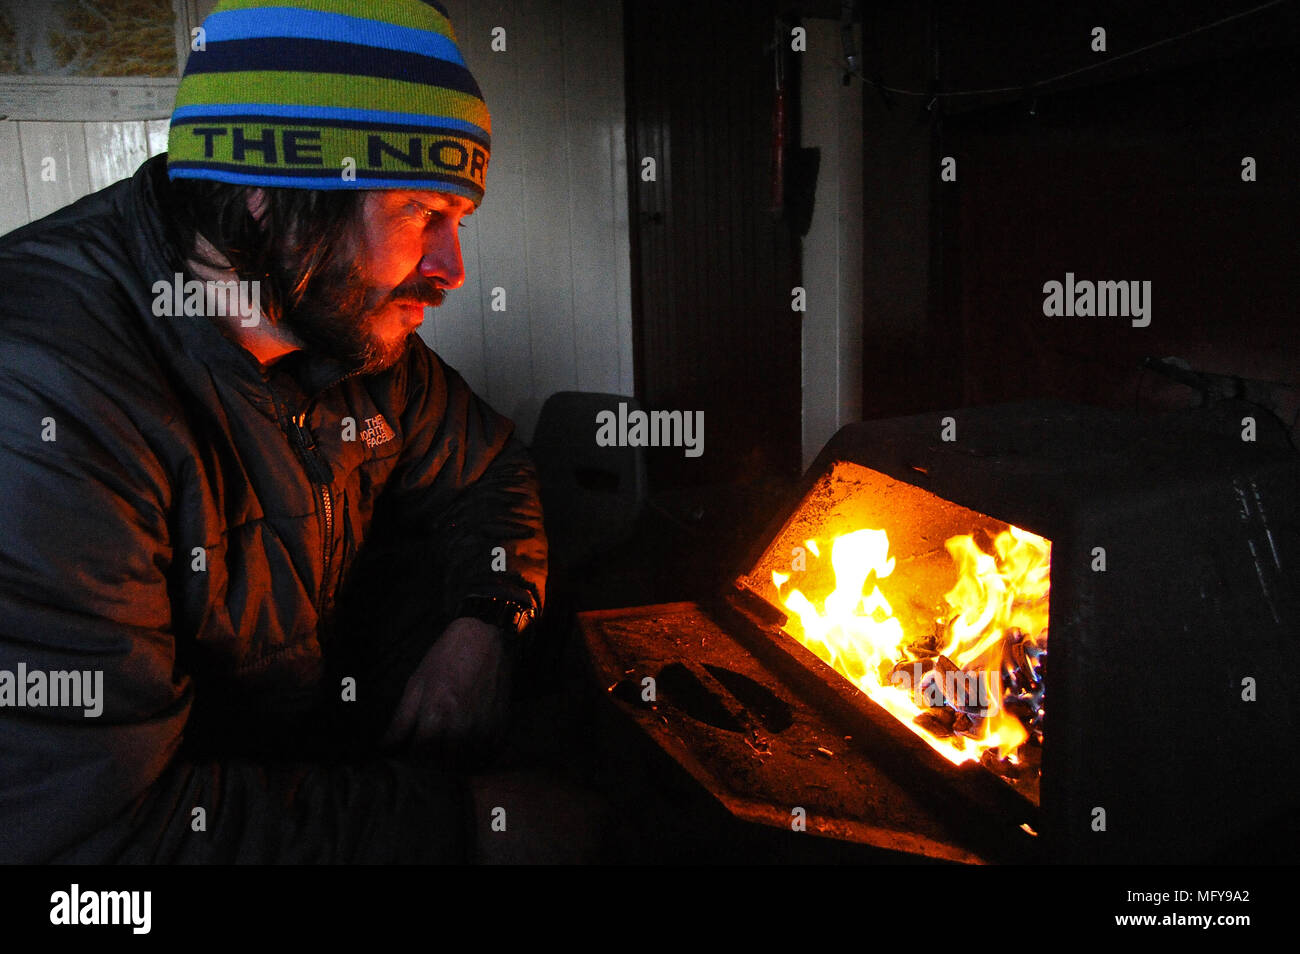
[(114, 151), (54, 165), (548, 223), (588, 104), (455, 330), (13, 206), (492, 241), (157, 130), (832, 249), (552, 231)]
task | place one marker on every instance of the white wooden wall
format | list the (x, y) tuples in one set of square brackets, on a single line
[(552, 230), (832, 249), (46, 165)]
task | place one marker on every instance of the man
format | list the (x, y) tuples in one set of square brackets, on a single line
[(263, 518)]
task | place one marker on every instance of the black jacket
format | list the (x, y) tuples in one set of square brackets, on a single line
[(165, 520)]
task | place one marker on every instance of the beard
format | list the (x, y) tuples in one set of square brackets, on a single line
[(340, 314)]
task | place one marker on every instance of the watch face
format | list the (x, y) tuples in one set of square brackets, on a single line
[(506, 614), (520, 619)]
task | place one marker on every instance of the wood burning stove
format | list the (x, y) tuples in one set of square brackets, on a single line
[(1010, 633)]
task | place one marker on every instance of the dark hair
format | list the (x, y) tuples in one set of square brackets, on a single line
[(302, 232)]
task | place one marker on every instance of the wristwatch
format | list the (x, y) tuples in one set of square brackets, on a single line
[(510, 615)]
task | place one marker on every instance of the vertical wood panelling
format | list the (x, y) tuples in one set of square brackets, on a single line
[(454, 330), (114, 151), (615, 112), (156, 130), (13, 209), (553, 230), (901, 364), (496, 230), (547, 241), (65, 144), (715, 332), (587, 58)]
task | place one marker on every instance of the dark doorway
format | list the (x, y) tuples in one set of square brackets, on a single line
[(712, 265)]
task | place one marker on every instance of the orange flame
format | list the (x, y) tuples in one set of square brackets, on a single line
[(859, 637)]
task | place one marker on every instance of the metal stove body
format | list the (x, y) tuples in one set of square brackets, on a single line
[(1168, 726)]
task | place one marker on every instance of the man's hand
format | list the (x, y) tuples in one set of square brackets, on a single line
[(457, 698)]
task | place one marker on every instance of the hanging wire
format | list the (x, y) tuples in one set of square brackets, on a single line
[(1060, 76)]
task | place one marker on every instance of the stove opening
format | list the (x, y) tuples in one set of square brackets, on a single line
[(939, 614)]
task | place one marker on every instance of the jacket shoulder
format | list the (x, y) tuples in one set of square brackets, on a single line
[(74, 301)]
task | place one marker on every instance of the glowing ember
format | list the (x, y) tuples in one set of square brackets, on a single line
[(947, 686)]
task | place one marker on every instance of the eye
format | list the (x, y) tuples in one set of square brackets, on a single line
[(421, 211), (426, 214)]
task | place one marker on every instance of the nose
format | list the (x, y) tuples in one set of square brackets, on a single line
[(442, 261)]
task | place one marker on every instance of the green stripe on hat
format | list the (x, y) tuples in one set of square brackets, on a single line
[(330, 89), (289, 149)]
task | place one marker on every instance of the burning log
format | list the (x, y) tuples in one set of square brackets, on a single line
[(947, 684), (1015, 667), (938, 722), (945, 665), (1022, 660), (912, 668), (937, 682), (924, 647), (1003, 767)]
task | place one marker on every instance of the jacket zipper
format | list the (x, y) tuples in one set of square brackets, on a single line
[(306, 443), (316, 474)]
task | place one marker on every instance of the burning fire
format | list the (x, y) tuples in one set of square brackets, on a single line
[(971, 686)]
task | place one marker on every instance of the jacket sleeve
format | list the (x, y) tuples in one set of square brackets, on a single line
[(469, 488), (85, 562)]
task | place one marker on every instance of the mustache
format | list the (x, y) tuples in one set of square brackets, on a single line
[(421, 292)]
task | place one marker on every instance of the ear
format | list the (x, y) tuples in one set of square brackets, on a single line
[(257, 201)]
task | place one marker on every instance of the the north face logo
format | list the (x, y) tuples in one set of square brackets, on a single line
[(376, 431)]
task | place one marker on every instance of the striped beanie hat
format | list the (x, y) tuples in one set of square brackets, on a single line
[(330, 94)]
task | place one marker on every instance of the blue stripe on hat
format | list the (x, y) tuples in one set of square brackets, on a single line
[(327, 56), (304, 179), (337, 113), (257, 24)]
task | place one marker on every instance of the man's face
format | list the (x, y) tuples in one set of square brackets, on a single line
[(403, 254)]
